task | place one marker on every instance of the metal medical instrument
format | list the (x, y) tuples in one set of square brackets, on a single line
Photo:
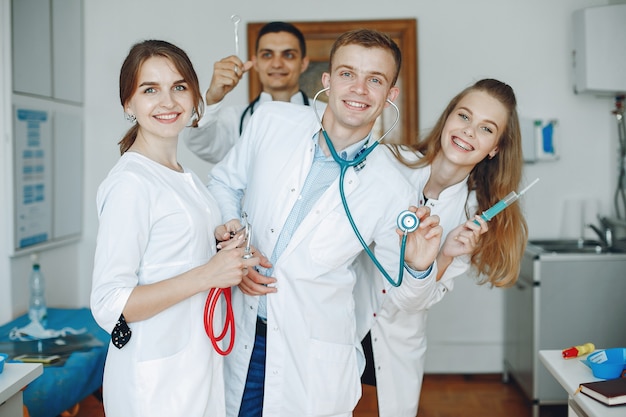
[(248, 236), (407, 220), (236, 232), (214, 296), (246, 226), (504, 203), (236, 19), (619, 199)]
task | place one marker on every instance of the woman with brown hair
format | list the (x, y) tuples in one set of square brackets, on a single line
[(156, 255)]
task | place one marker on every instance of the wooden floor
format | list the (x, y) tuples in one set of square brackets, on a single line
[(442, 396), (465, 396)]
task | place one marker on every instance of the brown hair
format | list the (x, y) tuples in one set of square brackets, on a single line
[(499, 253), (129, 74), (368, 38)]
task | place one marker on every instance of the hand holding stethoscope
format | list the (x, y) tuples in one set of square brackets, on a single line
[(422, 237), (240, 236), (253, 283)]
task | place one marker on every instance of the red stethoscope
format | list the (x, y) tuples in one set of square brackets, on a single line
[(212, 303), (229, 320)]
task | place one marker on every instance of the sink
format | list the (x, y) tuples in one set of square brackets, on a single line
[(572, 246)]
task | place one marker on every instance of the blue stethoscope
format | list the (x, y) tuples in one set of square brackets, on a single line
[(407, 220)]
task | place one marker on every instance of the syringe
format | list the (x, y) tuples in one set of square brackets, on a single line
[(504, 203)]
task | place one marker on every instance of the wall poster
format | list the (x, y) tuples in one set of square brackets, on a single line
[(33, 180)]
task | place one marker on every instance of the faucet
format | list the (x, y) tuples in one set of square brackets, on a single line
[(604, 233)]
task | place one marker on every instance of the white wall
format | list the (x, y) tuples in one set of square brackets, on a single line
[(5, 105), (528, 44)]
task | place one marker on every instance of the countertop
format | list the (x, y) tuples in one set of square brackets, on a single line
[(570, 373)]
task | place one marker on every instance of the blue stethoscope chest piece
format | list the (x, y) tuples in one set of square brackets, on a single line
[(407, 221)]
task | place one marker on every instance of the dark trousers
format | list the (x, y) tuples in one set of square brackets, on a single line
[(252, 401), (369, 374)]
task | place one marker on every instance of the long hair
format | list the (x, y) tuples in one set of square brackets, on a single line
[(500, 250), (129, 74)]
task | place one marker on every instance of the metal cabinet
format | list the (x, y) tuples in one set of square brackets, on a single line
[(561, 300), (47, 39)]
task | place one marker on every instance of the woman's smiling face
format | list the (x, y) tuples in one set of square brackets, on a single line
[(473, 129), (162, 102)]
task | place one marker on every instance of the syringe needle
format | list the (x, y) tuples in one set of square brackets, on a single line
[(529, 185)]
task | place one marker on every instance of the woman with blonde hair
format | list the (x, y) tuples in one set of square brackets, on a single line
[(490, 177), (470, 160)]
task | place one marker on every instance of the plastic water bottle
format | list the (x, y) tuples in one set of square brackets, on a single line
[(37, 310)]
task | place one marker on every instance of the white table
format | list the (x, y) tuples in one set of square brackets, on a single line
[(15, 377), (570, 373)]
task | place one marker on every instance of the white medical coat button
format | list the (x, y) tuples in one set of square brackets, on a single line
[(384, 291)]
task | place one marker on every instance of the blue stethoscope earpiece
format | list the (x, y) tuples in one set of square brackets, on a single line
[(408, 221)]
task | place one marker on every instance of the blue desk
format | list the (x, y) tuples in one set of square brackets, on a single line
[(61, 387)]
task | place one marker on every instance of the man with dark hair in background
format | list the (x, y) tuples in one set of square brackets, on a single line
[(279, 59)]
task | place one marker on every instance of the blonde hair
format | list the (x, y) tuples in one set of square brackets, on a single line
[(500, 250)]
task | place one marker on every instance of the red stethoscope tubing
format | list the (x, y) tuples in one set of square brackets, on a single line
[(229, 321)]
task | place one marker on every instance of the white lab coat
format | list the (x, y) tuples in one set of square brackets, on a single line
[(313, 351), (218, 130), (399, 335), (155, 223)]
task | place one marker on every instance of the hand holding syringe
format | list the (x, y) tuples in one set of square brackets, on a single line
[(504, 203)]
